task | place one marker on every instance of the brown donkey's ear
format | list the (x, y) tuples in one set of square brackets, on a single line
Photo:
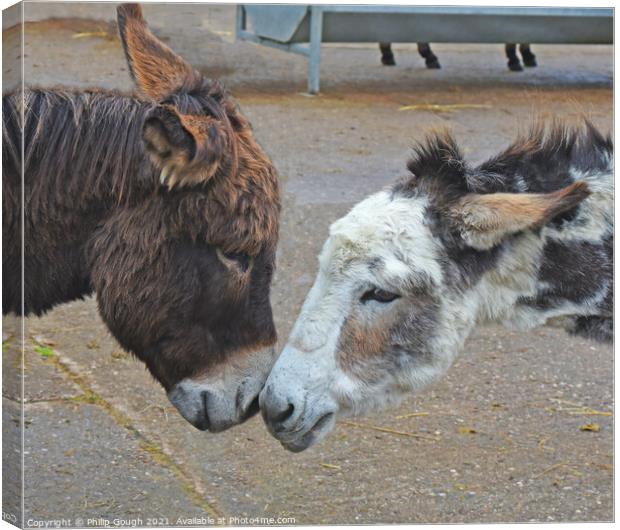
[(157, 70), (187, 149), (484, 220)]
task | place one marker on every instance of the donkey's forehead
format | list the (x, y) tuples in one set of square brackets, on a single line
[(385, 229)]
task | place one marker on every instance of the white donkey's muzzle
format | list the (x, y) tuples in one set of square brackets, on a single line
[(294, 412)]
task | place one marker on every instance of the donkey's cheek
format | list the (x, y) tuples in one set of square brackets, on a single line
[(361, 344)]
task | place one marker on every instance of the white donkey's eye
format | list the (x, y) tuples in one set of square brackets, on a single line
[(379, 295)]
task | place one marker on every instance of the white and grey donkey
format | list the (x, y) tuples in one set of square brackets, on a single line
[(408, 272)]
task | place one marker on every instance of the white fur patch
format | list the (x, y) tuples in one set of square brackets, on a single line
[(388, 228), (381, 243)]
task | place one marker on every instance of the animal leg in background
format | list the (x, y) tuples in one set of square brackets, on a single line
[(424, 49), (529, 59), (387, 57), (514, 63)]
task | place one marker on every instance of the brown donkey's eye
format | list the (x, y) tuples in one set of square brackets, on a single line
[(236, 259), (243, 260), (379, 295)]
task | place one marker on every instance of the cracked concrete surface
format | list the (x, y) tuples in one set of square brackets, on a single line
[(101, 439)]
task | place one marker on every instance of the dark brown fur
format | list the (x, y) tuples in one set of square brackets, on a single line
[(97, 218)]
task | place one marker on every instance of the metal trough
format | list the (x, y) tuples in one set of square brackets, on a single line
[(302, 28)]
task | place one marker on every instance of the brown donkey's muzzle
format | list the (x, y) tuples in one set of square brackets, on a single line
[(226, 397)]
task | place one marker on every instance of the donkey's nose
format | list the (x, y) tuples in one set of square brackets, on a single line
[(192, 404), (280, 411)]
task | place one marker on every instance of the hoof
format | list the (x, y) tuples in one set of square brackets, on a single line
[(388, 60), (515, 66), (433, 64), (530, 62)]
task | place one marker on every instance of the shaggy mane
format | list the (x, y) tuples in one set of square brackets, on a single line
[(79, 145), (539, 161)]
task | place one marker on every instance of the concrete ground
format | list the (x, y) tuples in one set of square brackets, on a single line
[(507, 436)]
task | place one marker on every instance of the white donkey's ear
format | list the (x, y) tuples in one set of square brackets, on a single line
[(486, 219)]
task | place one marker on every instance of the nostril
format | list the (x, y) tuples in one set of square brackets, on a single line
[(281, 411), (282, 416), (202, 419)]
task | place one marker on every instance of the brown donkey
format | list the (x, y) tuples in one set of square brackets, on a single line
[(163, 205)]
